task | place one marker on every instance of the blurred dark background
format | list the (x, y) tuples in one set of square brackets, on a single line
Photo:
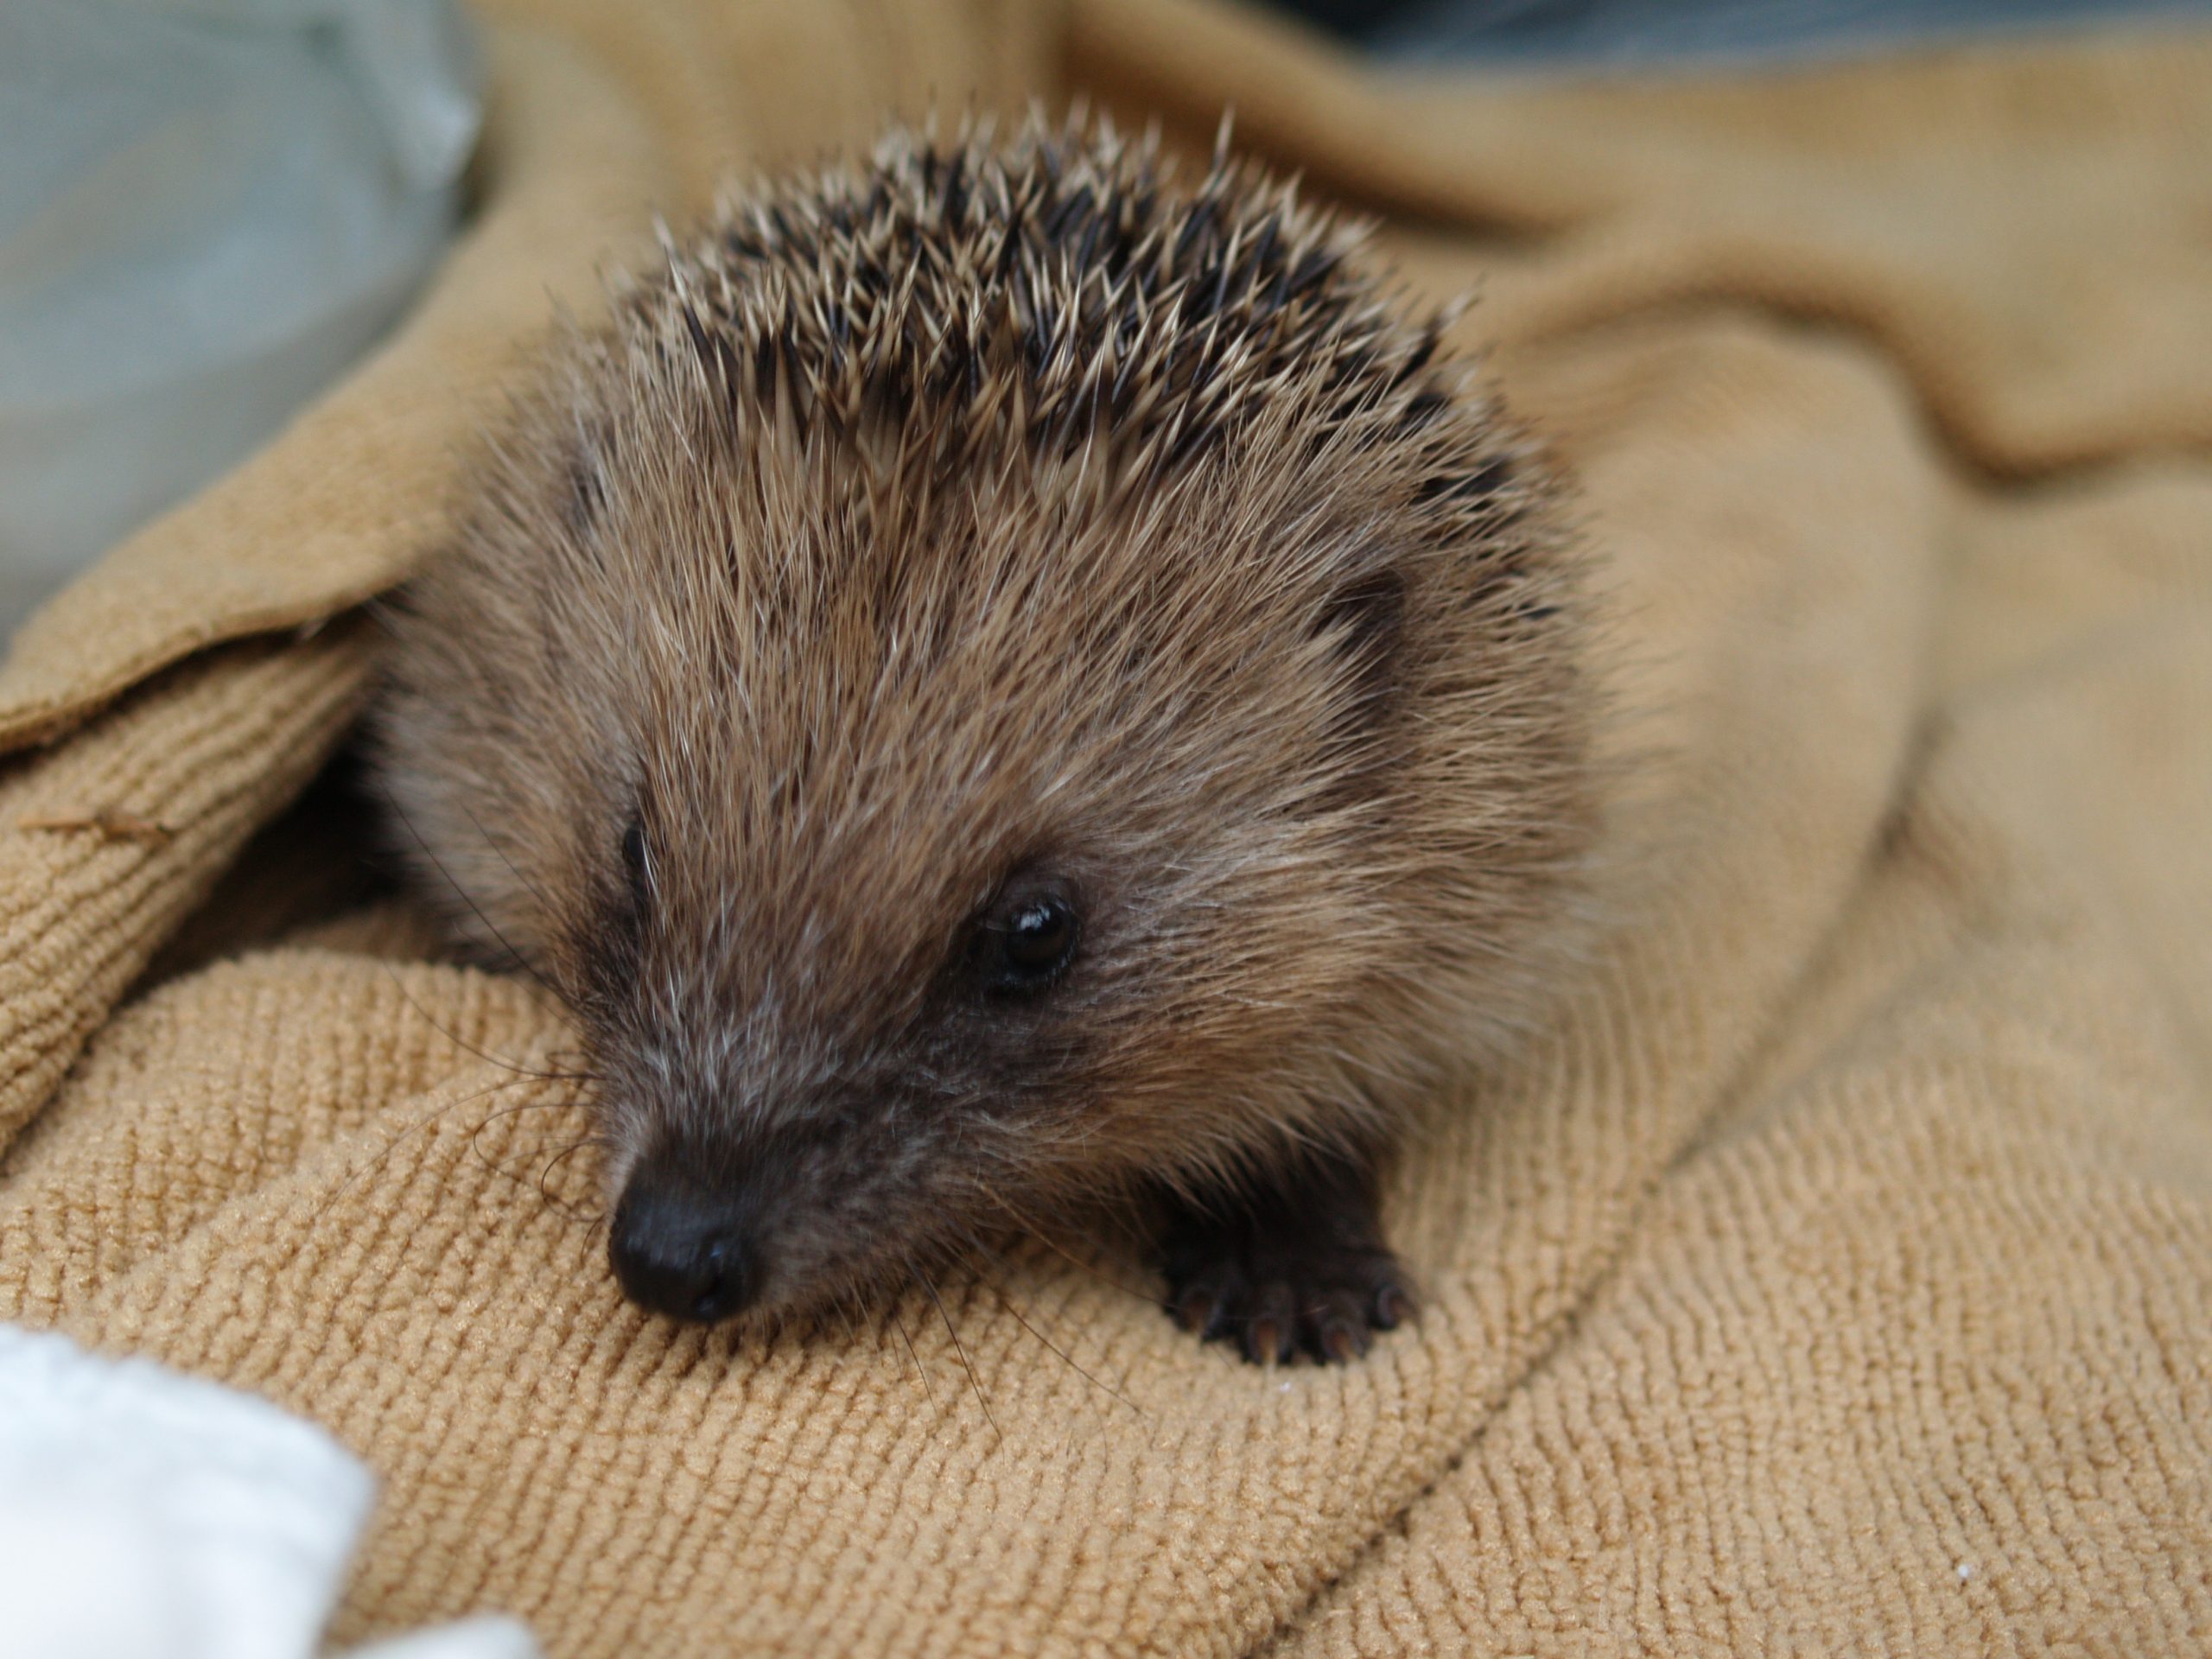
[(1536, 32)]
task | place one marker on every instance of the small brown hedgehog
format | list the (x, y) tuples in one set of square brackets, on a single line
[(1005, 685)]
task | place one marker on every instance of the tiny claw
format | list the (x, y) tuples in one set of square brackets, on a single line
[(1343, 1344), (1264, 1342), (1392, 1308), (1195, 1311)]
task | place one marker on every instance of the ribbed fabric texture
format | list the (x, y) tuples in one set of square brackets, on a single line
[(1834, 1274)]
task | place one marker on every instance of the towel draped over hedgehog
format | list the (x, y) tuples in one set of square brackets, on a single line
[(1005, 685)]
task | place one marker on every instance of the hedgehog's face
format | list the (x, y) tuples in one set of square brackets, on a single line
[(911, 880), (951, 898)]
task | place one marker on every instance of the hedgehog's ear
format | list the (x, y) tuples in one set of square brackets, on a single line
[(1364, 621)]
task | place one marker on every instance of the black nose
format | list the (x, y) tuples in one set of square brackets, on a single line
[(680, 1251)]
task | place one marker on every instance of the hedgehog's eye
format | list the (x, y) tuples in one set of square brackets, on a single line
[(1025, 941), (634, 862)]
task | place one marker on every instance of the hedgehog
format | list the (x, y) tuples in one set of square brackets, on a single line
[(1010, 684)]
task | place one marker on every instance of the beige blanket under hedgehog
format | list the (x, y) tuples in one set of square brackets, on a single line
[(1837, 1278)]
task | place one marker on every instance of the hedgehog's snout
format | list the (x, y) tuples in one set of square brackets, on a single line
[(685, 1248)]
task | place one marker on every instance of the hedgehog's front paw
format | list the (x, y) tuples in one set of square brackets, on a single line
[(1304, 1271), (1275, 1299)]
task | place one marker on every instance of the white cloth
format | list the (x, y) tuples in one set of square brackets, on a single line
[(144, 1515)]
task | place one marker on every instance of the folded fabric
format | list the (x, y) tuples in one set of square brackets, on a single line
[(1834, 1274)]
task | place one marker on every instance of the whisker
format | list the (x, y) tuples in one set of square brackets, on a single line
[(845, 1307), (529, 885), (460, 892), (424, 1122), (959, 1348), (1030, 1229), (520, 1106), (553, 1163), (920, 1370), (460, 1042), (489, 1162), (1007, 1301)]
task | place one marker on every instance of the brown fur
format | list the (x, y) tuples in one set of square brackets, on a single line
[(994, 509)]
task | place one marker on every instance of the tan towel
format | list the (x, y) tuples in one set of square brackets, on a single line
[(1837, 1276)]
